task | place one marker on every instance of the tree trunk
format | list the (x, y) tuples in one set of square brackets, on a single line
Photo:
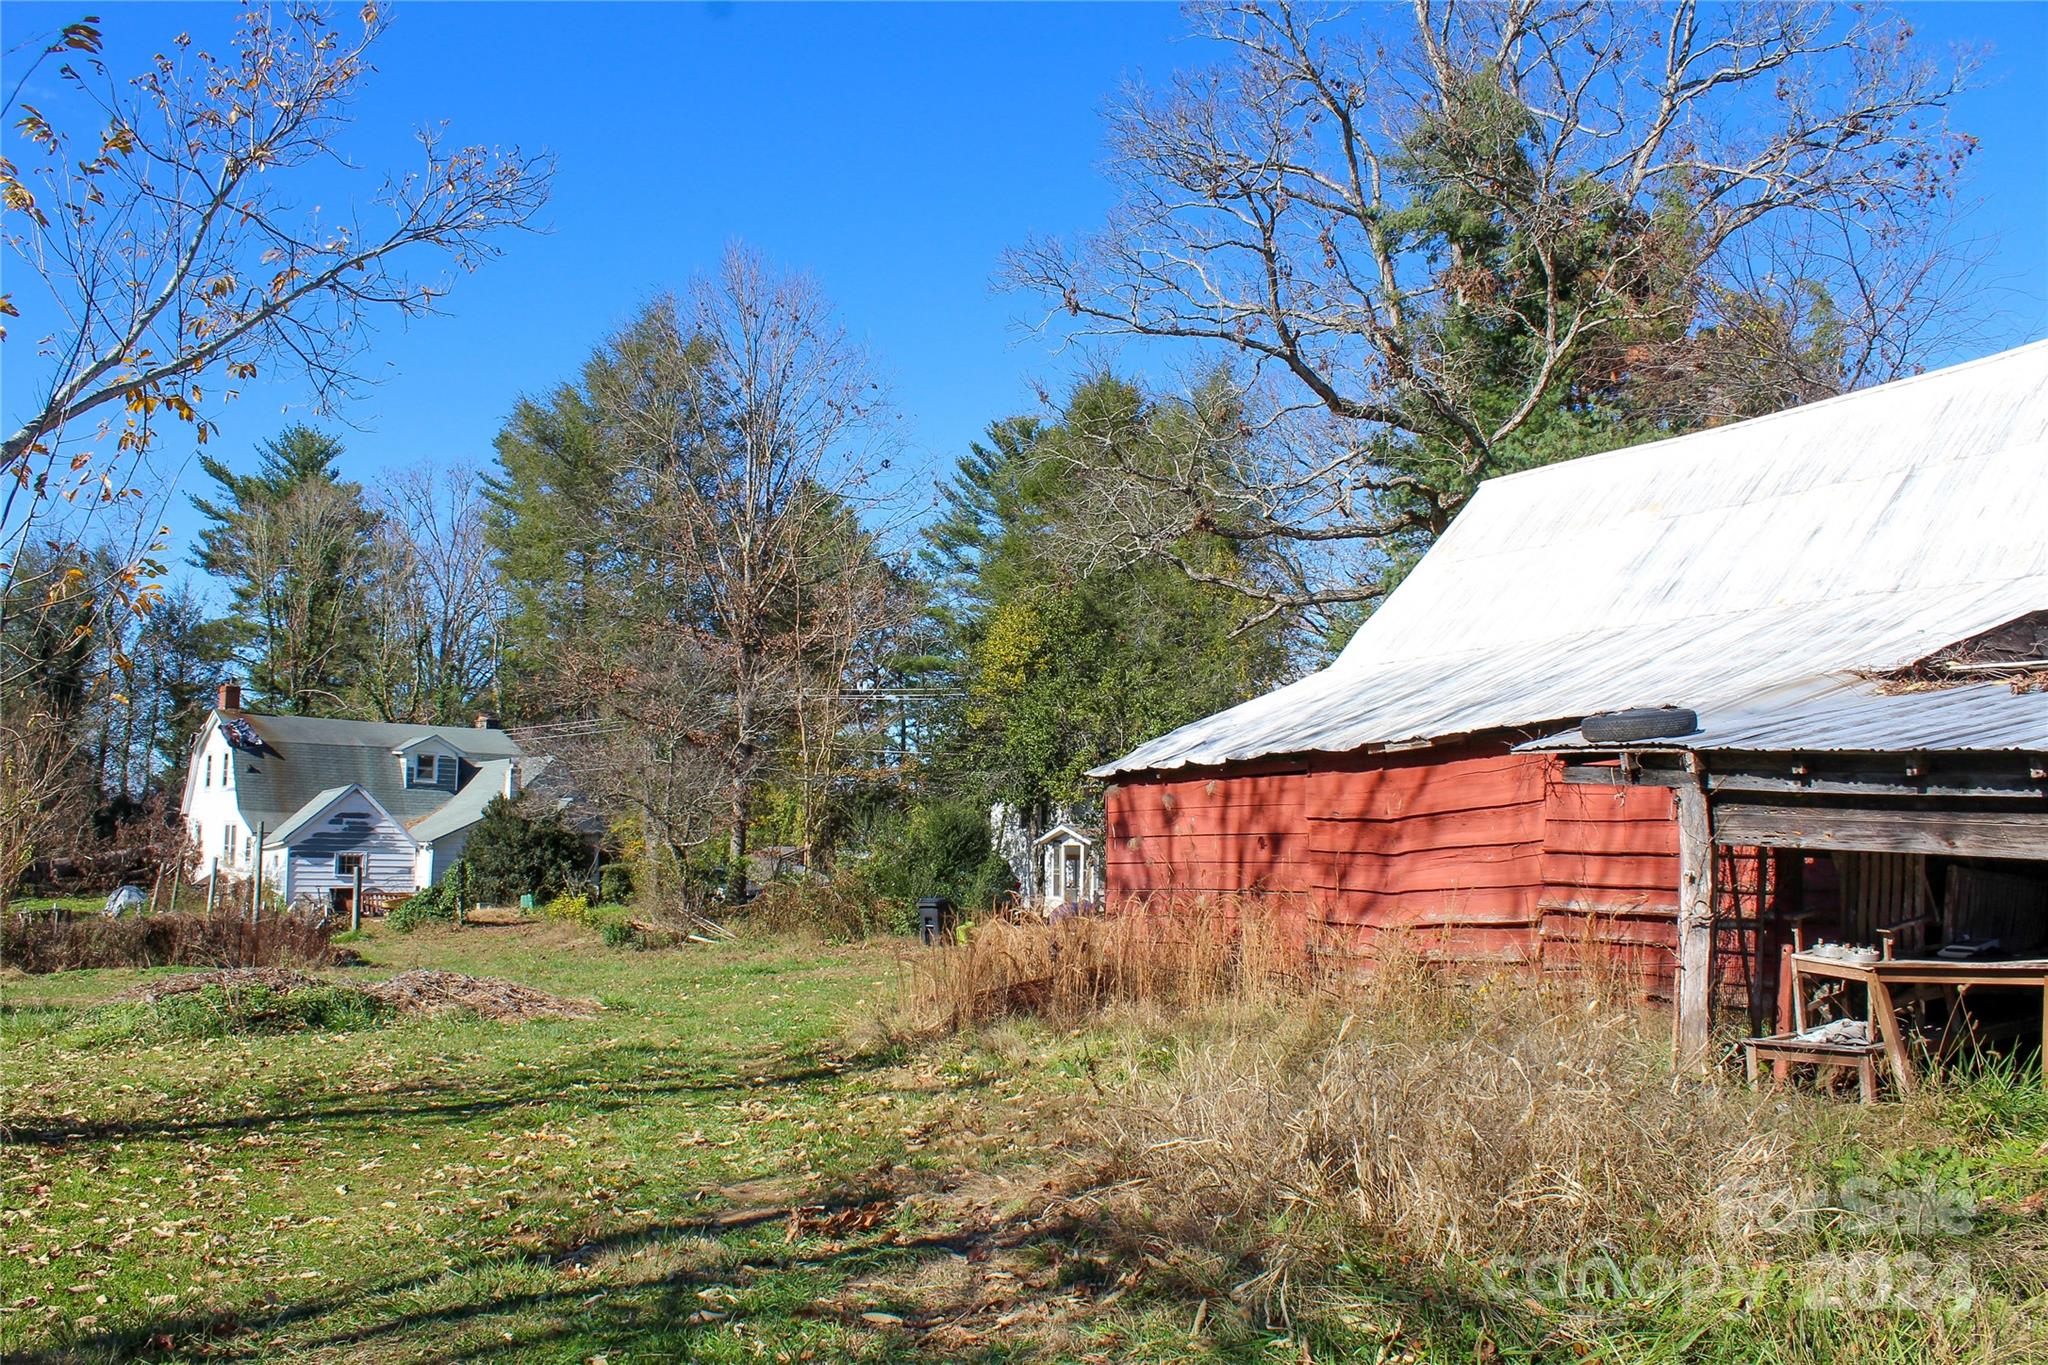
[(736, 844)]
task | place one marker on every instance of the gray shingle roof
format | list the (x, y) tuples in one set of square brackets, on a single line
[(302, 758), (466, 807), (284, 832)]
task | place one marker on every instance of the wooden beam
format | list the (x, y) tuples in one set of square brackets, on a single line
[(1602, 775), (1842, 783), (1695, 924), (1981, 834)]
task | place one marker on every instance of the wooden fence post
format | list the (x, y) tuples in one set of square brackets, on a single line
[(256, 876), (1695, 923)]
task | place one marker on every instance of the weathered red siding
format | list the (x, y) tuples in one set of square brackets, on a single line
[(1484, 854)]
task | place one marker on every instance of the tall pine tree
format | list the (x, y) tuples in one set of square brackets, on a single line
[(1069, 655), (295, 543)]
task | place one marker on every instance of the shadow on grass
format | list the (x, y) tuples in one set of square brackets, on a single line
[(624, 1087), (664, 1314), (655, 1311)]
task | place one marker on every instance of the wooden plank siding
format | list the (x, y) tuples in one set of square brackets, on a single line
[(1483, 855), (352, 825)]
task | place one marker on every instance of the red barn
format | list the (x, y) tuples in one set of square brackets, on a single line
[(1760, 574)]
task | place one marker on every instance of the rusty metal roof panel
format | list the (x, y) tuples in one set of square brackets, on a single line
[(1779, 557)]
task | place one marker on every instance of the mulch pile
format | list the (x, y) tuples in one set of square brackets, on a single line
[(424, 991)]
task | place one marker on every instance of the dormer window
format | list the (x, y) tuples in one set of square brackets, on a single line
[(424, 770)]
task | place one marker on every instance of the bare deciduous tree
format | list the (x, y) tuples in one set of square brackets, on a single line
[(754, 444), (435, 600), (739, 426), (1494, 234), (168, 243), (45, 787)]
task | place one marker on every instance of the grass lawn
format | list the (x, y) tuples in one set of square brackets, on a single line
[(693, 1174), (706, 1171)]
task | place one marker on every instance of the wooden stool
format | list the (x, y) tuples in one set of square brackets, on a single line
[(1788, 1048)]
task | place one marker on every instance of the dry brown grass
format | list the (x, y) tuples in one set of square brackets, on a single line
[(1171, 955), (1267, 1115), (1446, 1124), (44, 943)]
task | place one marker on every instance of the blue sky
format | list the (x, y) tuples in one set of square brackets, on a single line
[(892, 151)]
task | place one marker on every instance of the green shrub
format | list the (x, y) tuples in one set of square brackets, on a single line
[(513, 852), (430, 905), (213, 1012), (620, 933), (939, 849), (570, 908), (615, 884)]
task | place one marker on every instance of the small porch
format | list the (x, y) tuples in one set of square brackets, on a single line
[(1871, 909)]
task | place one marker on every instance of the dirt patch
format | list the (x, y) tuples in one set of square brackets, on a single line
[(416, 992), (427, 991), (1003, 1258), (499, 916)]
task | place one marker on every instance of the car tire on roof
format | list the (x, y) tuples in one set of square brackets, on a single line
[(1639, 723)]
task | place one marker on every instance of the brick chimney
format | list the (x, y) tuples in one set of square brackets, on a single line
[(230, 697), (488, 720)]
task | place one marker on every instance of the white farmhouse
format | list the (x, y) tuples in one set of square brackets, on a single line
[(324, 797)]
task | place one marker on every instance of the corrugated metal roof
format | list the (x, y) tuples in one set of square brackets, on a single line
[(1858, 719), (1783, 555)]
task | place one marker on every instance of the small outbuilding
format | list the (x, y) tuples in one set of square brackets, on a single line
[(1070, 867)]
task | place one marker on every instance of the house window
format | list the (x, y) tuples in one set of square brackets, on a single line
[(346, 865), (209, 770), (426, 770), (227, 842), (248, 849)]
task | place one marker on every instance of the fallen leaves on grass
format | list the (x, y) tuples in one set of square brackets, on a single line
[(279, 979), (423, 991)]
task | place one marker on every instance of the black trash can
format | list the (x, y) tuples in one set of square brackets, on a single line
[(934, 918)]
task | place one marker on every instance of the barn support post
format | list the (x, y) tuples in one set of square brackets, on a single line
[(1695, 921)]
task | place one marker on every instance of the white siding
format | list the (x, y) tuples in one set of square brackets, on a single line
[(354, 824), (211, 814), (436, 858)]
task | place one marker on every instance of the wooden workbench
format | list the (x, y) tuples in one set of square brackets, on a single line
[(1883, 975)]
